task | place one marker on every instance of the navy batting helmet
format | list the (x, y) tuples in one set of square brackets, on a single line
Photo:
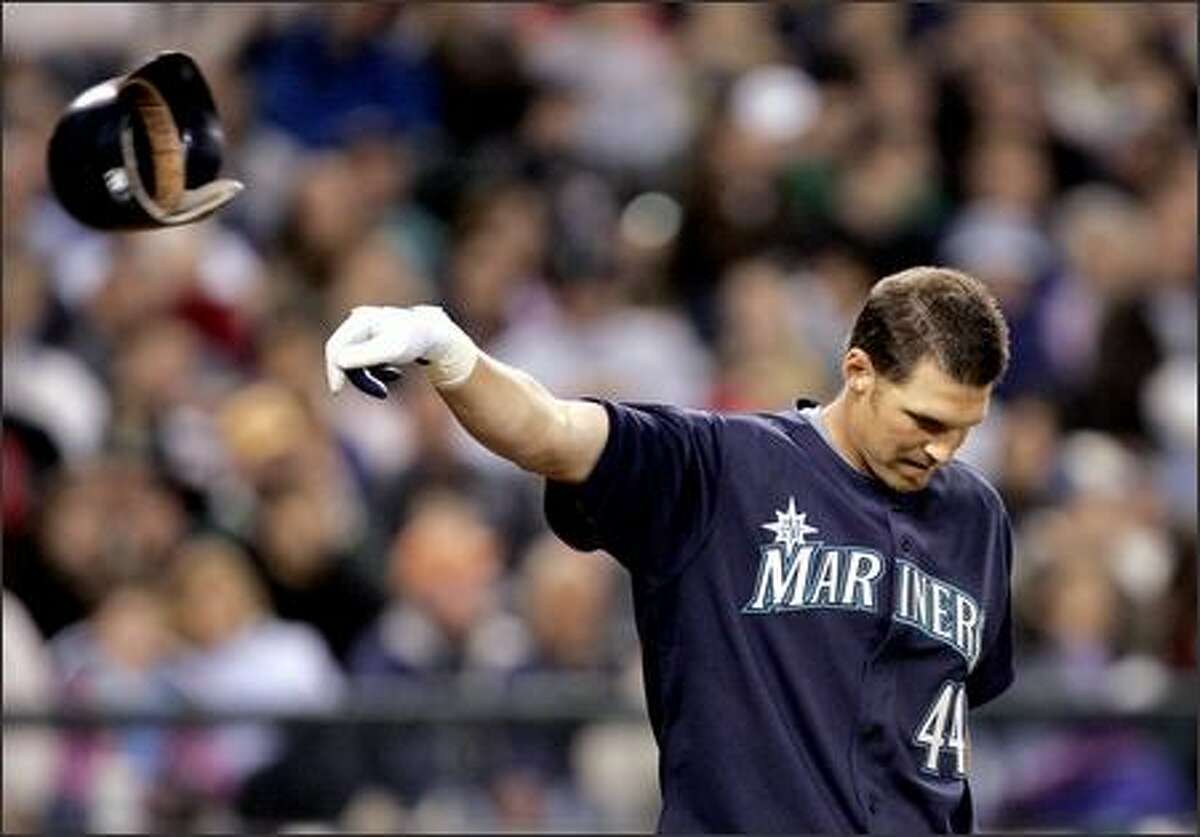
[(142, 150)]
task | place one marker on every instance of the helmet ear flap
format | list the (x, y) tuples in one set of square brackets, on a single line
[(141, 151)]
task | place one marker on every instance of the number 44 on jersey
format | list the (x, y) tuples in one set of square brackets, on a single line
[(944, 727)]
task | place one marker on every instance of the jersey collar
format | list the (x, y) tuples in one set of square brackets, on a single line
[(816, 440)]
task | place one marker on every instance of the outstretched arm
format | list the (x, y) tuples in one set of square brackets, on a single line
[(504, 408)]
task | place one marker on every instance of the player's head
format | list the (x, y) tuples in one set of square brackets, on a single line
[(919, 367)]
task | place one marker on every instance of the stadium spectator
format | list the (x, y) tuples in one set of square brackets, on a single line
[(241, 655)]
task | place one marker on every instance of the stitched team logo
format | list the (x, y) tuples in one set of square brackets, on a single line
[(790, 528), (797, 573)]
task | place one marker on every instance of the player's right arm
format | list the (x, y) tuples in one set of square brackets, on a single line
[(504, 408)]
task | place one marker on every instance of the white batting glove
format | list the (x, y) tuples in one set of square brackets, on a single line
[(374, 341)]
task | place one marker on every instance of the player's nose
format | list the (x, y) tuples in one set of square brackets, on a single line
[(939, 452)]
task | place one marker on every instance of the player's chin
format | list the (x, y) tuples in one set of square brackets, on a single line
[(908, 477)]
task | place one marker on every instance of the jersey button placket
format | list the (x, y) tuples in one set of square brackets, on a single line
[(904, 545), (878, 697), (872, 734)]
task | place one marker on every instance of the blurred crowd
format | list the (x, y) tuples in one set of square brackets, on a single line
[(654, 202)]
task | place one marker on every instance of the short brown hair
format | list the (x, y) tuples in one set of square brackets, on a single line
[(938, 312)]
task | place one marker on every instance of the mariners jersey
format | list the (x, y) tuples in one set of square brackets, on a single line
[(811, 639)]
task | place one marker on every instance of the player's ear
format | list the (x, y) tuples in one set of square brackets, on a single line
[(858, 371)]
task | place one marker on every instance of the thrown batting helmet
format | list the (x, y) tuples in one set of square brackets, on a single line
[(142, 150)]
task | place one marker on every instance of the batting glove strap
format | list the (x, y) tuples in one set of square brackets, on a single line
[(452, 355)]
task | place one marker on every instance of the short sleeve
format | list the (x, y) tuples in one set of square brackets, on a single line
[(650, 499), (994, 671)]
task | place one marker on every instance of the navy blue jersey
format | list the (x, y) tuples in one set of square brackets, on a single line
[(811, 638)]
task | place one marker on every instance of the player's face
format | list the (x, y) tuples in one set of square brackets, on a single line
[(907, 431)]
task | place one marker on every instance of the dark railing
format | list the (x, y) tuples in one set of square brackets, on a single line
[(558, 698)]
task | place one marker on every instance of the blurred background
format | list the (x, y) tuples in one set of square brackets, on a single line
[(357, 611)]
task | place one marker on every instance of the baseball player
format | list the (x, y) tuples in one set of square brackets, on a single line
[(821, 593)]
